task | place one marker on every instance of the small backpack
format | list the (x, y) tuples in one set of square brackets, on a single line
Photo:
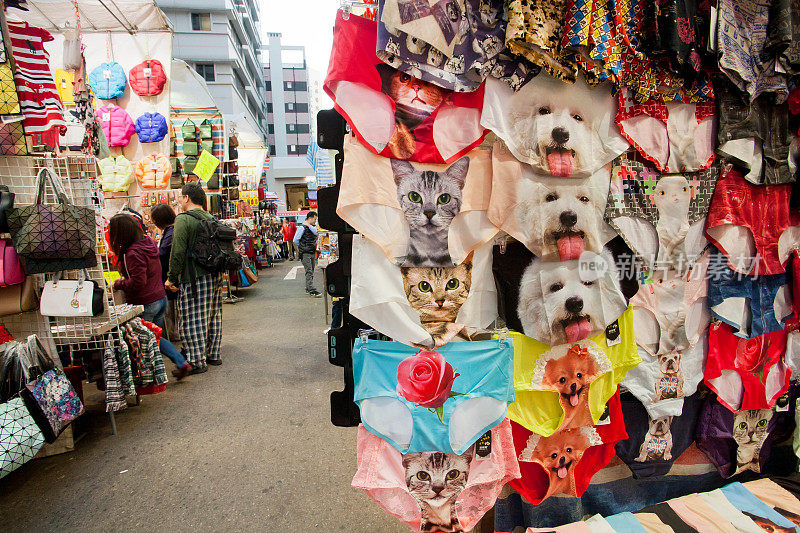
[(212, 247)]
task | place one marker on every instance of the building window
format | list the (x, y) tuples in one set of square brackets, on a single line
[(201, 21), (272, 150), (269, 107), (271, 128), (290, 107), (269, 86), (302, 149), (295, 86), (206, 71), (287, 85), (300, 128), (290, 128), (301, 108)]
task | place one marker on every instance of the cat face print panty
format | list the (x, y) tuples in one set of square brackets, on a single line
[(421, 215), (662, 218), (422, 306), (752, 305), (752, 225), (432, 400), (567, 386), (746, 373), (654, 443), (434, 491), (391, 112), (736, 442), (560, 129), (565, 462), (556, 218)]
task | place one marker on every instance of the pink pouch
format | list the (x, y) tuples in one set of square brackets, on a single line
[(383, 476), (11, 272)]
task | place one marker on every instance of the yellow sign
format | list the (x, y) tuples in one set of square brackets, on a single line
[(206, 165)]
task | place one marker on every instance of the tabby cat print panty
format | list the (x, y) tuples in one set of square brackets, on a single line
[(420, 214)]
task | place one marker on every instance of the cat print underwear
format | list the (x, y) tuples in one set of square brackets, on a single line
[(555, 218), (406, 486), (655, 442), (746, 374), (420, 214), (565, 462), (392, 113), (736, 442), (443, 400), (422, 306), (752, 305), (560, 129), (752, 225), (661, 218), (568, 386), (674, 136), (453, 44), (564, 302)]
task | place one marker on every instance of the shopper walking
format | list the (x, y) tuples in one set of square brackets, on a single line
[(141, 279), (164, 218), (200, 298), (289, 228), (306, 241)]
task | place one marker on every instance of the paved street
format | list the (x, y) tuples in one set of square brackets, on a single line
[(247, 446)]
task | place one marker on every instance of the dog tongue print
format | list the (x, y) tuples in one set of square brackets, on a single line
[(750, 430), (560, 129), (436, 480), (429, 200)]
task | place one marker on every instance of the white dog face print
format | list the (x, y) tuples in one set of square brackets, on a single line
[(555, 218), (560, 129), (564, 302)]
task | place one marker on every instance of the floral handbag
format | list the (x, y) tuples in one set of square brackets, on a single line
[(53, 403)]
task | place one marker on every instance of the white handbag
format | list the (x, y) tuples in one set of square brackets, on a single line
[(68, 297)]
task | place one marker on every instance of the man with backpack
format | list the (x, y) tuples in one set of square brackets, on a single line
[(306, 241), (202, 249)]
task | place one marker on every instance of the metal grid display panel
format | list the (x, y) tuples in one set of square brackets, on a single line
[(78, 176)]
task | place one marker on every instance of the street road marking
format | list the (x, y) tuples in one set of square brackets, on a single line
[(292, 274)]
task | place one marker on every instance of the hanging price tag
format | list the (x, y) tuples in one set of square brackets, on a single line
[(148, 72), (153, 166), (107, 74), (106, 117), (63, 84)]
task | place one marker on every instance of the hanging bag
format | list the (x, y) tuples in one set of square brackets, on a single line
[(19, 298), (72, 297), (207, 145), (6, 203), (52, 403), (20, 436), (44, 235), (205, 129), (189, 131), (11, 272), (72, 51)]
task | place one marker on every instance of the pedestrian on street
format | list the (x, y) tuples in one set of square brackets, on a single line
[(306, 241), (200, 298), (288, 229), (141, 279), (164, 218)]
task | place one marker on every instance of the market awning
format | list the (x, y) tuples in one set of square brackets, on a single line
[(95, 15)]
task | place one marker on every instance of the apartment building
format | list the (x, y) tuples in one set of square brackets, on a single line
[(290, 117), (221, 39)]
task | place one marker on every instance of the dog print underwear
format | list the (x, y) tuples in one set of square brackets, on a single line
[(568, 386), (674, 136), (422, 306), (746, 374), (392, 113), (560, 129), (565, 462), (752, 225), (654, 443), (420, 214), (752, 305), (555, 218), (402, 484), (740, 441), (661, 217), (443, 400)]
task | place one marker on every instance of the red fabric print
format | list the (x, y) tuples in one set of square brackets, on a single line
[(425, 379)]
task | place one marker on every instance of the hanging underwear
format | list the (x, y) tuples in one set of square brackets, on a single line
[(556, 218), (568, 386), (767, 518), (736, 442), (392, 113), (777, 497), (654, 443), (675, 137), (746, 374), (422, 306), (453, 44), (752, 225), (432, 401), (565, 462), (560, 129), (420, 214), (756, 135), (661, 218), (567, 301), (426, 489), (752, 305)]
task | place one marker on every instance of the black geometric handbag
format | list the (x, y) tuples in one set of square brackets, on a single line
[(6, 203), (44, 235)]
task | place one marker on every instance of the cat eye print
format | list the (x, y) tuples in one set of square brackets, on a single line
[(762, 422), (443, 199), (423, 476), (424, 286), (453, 474), (415, 197), (452, 284), (743, 425)]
